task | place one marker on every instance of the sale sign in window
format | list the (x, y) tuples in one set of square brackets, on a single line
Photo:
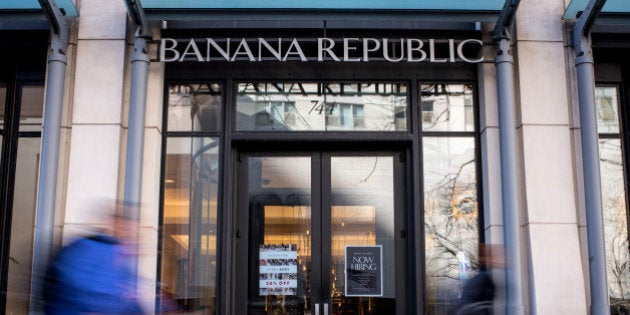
[(278, 269)]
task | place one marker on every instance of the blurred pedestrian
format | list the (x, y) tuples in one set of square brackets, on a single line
[(93, 275), (478, 293)]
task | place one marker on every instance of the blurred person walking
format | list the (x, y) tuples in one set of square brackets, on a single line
[(93, 275), (479, 292)]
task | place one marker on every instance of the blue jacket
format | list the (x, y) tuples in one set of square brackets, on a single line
[(91, 275)]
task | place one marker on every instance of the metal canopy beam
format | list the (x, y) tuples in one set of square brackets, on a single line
[(66, 7), (506, 20), (590, 157), (610, 8), (136, 13)]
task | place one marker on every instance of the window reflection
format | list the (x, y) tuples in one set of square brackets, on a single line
[(450, 192), (194, 107), (615, 221), (3, 97), (32, 108), (22, 226), (24, 191), (447, 107), (613, 198), (450, 218), (189, 244), (606, 105), (330, 106)]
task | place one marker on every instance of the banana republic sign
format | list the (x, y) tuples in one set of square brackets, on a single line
[(321, 49)]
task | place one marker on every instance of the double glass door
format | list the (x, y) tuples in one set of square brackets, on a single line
[(321, 233)]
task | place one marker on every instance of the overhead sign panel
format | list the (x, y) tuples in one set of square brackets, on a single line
[(611, 6), (444, 5), (66, 5)]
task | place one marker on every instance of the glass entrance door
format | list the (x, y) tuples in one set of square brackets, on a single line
[(320, 233)]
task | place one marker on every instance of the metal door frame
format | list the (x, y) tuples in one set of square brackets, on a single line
[(321, 227)]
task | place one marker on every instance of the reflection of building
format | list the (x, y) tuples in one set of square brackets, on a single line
[(321, 106), (321, 126)]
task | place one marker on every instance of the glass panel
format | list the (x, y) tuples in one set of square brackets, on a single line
[(450, 219), (195, 107), (335, 106), (607, 106), (615, 223), (279, 235), (21, 252), (447, 107), (363, 216), (32, 108), (3, 99), (189, 243)]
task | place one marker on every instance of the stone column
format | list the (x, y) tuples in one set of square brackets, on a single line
[(555, 273), (96, 120)]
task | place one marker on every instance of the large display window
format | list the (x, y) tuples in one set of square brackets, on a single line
[(451, 203), (22, 73), (190, 198), (614, 195), (20, 129)]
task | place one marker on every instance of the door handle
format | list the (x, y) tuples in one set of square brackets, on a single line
[(317, 308)]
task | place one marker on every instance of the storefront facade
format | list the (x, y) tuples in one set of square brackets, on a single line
[(316, 160), (289, 136)]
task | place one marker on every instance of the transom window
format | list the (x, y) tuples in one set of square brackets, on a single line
[(321, 106)]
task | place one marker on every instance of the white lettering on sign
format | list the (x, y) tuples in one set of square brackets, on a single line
[(326, 49), (363, 263)]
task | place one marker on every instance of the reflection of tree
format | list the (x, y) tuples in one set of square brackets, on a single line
[(617, 257), (444, 106), (451, 226), (615, 221)]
